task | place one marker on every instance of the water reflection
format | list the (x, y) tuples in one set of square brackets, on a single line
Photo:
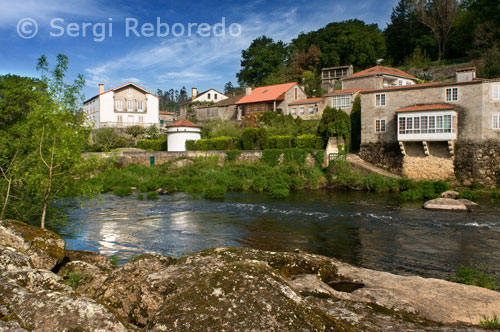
[(373, 231)]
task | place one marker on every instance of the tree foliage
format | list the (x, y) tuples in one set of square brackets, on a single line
[(335, 123), (262, 58), (356, 124)]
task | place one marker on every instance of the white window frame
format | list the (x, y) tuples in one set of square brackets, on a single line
[(379, 123), (130, 106), (311, 110), (495, 92), (294, 111), (119, 119), (341, 101), (208, 95), (119, 105), (141, 119), (302, 110), (495, 125), (141, 108), (380, 99), (451, 96), (215, 96)]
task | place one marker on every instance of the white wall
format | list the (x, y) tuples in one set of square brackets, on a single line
[(177, 137), (108, 115), (212, 92), (107, 108)]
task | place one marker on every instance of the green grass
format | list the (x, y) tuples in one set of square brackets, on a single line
[(476, 277), (114, 259), (490, 323), (74, 278)]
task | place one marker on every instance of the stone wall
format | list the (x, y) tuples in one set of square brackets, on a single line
[(384, 155), (428, 168), (478, 161)]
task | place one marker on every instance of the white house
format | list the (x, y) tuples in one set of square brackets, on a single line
[(210, 95), (181, 131), (123, 106)]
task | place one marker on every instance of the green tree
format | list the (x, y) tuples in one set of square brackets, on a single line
[(335, 123), (342, 43), (356, 124), (262, 58), (405, 33)]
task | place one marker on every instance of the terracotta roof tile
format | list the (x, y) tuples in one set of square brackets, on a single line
[(432, 107), (183, 123), (380, 70), (166, 113), (266, 93), (307, 101)]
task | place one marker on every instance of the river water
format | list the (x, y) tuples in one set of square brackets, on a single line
[(369, 230)]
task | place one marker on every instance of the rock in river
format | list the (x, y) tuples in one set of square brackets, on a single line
[(447, 204)]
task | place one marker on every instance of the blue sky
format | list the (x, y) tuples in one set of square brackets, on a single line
[(161, 62)]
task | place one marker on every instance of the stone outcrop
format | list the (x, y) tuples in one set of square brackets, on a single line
[(45, 248), (447, 204), (229, 289)]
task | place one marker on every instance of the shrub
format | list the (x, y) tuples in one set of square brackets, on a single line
[(490, 323), (135, 131), (122, 191), (279, 192), (355, 117), (279, 142), (231, 155), (254, 138), (107, 138), (215, 192), (308, 141), (152, 145), (295, 155), (205, 145), (271, 157), (335, 122), (140, 196), (468, 194), (114, 259), (152, 195), (190, 145), (74, 278), (222, 143), (152, 132)]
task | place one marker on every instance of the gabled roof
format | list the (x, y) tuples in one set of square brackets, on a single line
[(201, 94), (307, 101), (267, 93), (432, 107), (344, 92), (120, 87), (183, 123), (166, 113), (380, 70), (229, 101)]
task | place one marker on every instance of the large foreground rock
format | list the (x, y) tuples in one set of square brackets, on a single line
[(446, 204), (229, 289), (45, 248)]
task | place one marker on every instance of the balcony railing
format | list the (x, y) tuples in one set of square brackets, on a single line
[(127, 124)]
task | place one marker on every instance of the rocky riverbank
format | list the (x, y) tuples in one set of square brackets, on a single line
[(44, 287)]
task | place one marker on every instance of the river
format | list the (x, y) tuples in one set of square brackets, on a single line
[(375, 231)]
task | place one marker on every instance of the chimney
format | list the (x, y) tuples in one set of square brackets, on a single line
[(101, 88), (248, 91), (194, 92), (465, 74)]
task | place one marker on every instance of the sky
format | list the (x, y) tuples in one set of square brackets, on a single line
[(160, 44)]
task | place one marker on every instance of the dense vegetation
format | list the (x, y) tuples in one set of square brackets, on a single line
[(419, 33)]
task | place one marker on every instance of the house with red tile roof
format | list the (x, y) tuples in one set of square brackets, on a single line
[(126, 105), (270, 98), (378, 77), (166, 118), (434, 130)]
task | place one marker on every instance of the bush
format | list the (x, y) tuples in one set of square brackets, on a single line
[(308, 141), (140, 196), (152, 145), (335, 122), (254, 138), (190, 145), (122, 191), (279, 142), (468, 194), (108, 138), (152, 195), (215, 192), (231, 155), (279, 192), (152, 132), (135, 131), (271, 156), (222, 143), (205, 145)]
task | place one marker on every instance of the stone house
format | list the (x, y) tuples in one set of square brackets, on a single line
[(123, 106), (307, 109), (342, 99), (166, 118), (210, 96), (434, 130), (270, 98), (331, 76), (378, 77), (226, 110)]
